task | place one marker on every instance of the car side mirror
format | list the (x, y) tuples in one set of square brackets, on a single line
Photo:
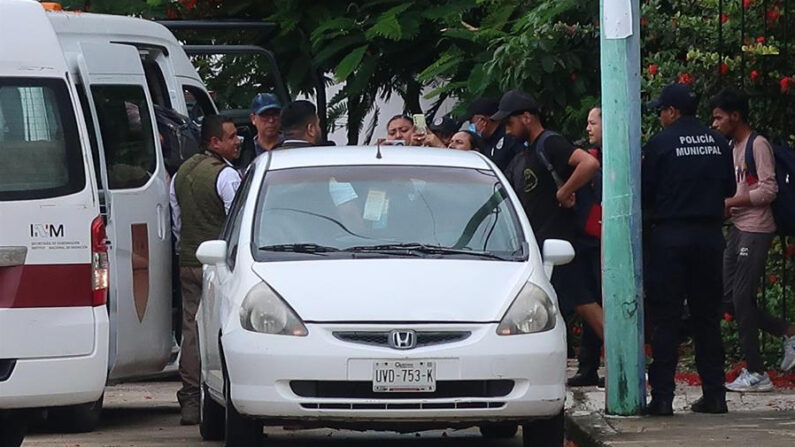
[(212, 252), (556, 252)]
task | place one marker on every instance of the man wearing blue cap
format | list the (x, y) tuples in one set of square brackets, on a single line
[(265, 110), (686, 176)]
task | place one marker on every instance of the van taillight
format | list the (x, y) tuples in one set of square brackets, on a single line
[(99, 263)]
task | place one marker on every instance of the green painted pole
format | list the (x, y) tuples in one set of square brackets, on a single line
[(621, 230)]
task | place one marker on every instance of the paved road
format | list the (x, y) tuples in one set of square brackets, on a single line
[(147, 414)]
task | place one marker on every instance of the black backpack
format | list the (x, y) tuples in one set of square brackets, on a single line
[(588, 206), (181, 137), (784, 205)]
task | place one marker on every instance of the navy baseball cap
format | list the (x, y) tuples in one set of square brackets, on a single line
[(678, 96), (515, 101), (263, 102), (444, 125)]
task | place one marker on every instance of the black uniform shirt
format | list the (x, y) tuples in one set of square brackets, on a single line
[(687, 172), (501, 148), (537, 189)]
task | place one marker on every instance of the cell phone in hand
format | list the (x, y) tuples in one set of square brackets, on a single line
[(420, 125)]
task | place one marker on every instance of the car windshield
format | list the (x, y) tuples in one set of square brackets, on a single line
[(364, 211)]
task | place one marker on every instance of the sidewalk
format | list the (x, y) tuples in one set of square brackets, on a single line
[(754, 420)]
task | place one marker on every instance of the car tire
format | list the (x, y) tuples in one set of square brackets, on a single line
[(499, 431), (544, 432), (13, 426), (239, 431), (212, 422), (81, 418)]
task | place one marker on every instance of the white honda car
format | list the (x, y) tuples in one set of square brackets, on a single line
[(390, 289)]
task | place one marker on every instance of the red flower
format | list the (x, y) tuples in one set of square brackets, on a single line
[(747, 3), (188, 4), (728, 317), (653, 69), (790, 250), (686, 78), (754, 75), (573, 76), (643, 21), (723, 68), (772, 15), (785, 83), (772, 279), (724, 18), (760, 39)]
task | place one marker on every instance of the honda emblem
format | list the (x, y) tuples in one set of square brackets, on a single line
[(403, 339)]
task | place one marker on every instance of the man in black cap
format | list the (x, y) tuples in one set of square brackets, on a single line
[(686, 176), (499, 147), (545, 176)]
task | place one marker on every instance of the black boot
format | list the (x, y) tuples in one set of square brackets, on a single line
[(712, 405), (660, 407), (583, 379)]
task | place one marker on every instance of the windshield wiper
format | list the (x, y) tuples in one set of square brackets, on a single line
[(416, 247), (300, 248)]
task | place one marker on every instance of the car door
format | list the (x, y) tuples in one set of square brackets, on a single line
[(133, 181), (218, 280)]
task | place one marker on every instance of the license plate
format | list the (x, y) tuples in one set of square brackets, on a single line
[(406, 376)]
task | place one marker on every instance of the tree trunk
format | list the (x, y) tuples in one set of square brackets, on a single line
[(355, 118), (412, 98), (322, 106)]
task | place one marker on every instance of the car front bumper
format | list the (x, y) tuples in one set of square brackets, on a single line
[(261, 368)]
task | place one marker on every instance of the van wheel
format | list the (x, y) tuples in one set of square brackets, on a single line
[(499, 431), (212, 422), (239, 431), (13, 426), (81, 418), (543, 432)]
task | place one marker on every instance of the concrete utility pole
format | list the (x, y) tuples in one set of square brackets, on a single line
[(622, 284)]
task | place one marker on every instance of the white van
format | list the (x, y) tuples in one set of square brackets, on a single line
[(85, 242)]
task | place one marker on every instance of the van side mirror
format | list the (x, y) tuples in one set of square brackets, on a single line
[(212, 252), (556, 252)]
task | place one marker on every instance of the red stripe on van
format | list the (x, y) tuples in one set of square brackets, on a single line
[(64, 285)]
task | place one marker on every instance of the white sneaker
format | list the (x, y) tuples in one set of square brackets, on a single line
[(788, 362), (748, 382)]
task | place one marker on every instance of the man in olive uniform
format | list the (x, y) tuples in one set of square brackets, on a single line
[(201, 194)]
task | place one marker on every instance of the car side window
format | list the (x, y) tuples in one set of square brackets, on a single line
[(231, 232)]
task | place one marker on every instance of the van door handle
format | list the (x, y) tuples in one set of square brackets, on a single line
[(160, 222), (13, 256)]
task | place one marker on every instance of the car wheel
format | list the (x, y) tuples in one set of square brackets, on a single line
[(211, 425), (499, 431), (543, 432), (13, 425), (81, 418), (239, 431)]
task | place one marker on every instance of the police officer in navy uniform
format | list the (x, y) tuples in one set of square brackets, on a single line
[(499, 146), (686, 176)]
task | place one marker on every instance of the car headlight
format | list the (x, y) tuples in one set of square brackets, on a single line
[(265, 312), (531, 311)]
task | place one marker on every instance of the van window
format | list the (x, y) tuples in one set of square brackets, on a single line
[(39, 141), (127, 137), (198, 102), (156, 82)]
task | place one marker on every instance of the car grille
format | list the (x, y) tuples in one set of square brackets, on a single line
[(403, 406), (445, 389), (381, 338)]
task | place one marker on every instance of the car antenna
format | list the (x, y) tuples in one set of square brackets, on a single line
[(378, 150)]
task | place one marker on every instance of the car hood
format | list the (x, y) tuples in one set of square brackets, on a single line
[(378, 290)]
